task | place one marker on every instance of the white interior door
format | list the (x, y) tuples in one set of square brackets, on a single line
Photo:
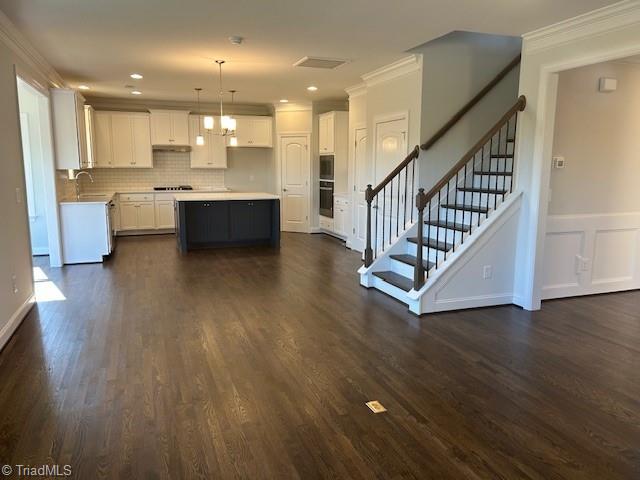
[(295, 166), (390, 150), (363, 176)]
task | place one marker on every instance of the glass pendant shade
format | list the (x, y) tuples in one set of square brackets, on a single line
[(208, 122), (228, 123), (233, 141), (199, 140)]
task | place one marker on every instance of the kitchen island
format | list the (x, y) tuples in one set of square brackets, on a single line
[(226, 219)]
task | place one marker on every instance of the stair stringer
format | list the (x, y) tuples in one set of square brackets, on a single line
[(427, 299)]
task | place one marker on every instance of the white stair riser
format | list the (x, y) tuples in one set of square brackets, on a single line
[(461, 216), (480, 199), (433, 253), (389, 289), (440, 233), (492, 181), (402, 268)]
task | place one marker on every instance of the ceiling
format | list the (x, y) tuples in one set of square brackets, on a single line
[(173, 42)]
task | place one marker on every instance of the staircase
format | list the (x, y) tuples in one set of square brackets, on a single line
[(407, 244)]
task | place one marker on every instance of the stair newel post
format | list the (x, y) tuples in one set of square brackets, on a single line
[(368, 251), (418, 272)]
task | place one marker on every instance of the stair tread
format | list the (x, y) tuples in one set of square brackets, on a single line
[(502, 155), (459, 227), (395, 279), (492, 172), (481, 190), (466, 208), (432, 243), (412, 260)]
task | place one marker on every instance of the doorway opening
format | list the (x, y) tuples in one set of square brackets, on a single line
[(39, 172), (592, 234)]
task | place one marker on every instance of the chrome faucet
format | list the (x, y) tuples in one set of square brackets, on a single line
[(75, 178)]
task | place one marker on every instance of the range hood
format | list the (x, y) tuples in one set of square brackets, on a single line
[(171, 148)]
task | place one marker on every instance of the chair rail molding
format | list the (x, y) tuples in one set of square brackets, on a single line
[(17, 42)]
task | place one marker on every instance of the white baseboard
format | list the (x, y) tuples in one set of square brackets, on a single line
[(15, 320)]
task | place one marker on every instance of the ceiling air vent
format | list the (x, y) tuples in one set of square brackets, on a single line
[(317, 62)]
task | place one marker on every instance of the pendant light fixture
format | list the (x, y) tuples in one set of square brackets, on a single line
[(227, 123), (199, 137), (233, 140)]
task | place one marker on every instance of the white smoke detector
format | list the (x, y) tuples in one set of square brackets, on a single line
[(236, 39)]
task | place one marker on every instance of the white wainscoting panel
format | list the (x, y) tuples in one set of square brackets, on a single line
[(588, 254)]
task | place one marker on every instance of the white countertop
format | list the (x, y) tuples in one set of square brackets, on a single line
[(106, 197), (86, 198), (222, 196)]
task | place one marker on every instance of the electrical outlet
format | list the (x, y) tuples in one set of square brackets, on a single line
[(14, 281), (582, 264), (18, 195), (487, 272)]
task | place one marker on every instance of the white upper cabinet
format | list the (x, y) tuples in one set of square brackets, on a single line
[(122, 140), (254, 131), (326, 132), (69, 129), (213, 154), (89, 124), (102, 140), (169, 127)]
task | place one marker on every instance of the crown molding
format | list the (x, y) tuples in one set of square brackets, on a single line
[(356, 90), (607, 19), (402, 67), (292, 107), (144, 105), (18, 43)]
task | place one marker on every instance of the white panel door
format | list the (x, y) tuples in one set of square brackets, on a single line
[(294, 161), (363, 177), (390, 150)]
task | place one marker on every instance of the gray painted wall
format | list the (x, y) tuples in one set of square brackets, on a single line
[(454, 69)]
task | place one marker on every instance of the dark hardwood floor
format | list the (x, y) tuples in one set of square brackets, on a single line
[(256, 363)]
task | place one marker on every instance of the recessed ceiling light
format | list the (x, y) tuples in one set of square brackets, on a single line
[(312, 88), (136, 76), (136, 92), (284, 100), (83, 87)]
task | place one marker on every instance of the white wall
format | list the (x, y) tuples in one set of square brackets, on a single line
[(608, 34), (454, 69), (15, 251), (597, 134), (592, 241)]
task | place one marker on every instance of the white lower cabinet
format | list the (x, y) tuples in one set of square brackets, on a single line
[(146, 211), (164, 214)]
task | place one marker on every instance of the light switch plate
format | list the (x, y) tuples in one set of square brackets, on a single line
[(559, 162)]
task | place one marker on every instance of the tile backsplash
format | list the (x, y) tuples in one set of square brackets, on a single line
[(169, 168)]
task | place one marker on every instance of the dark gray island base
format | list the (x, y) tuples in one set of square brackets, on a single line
[(227, 220)]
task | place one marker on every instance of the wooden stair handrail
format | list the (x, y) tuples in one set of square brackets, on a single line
[(518, 107), (447, 126), (471, 103)]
